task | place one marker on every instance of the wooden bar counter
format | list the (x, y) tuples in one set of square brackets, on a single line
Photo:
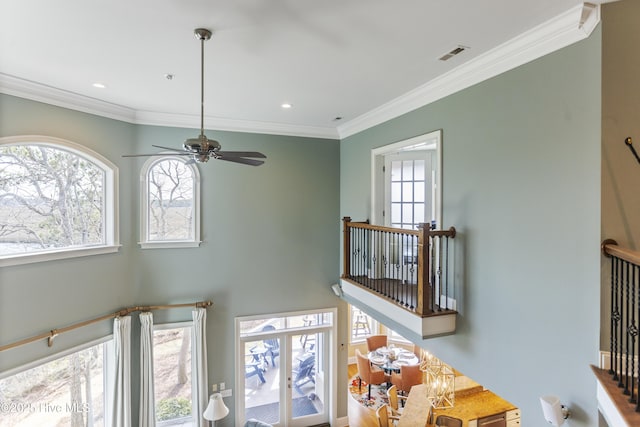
[(469, 407)]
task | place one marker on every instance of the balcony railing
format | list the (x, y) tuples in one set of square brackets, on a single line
[(407, 267), (625, 321)]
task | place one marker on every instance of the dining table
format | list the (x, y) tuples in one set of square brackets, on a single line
[(390, 359)]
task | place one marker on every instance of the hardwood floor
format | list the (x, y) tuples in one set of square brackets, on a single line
[(358, 415)]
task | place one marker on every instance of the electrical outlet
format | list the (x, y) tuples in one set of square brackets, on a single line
[(226, 393), (222, 386), (214, 387)]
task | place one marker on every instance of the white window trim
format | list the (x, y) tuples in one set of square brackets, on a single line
[(144, 204), (111, 208)]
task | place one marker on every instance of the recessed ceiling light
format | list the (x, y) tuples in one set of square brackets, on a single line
[(286, 105), (99, 85)]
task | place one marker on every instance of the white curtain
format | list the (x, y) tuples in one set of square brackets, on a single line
[(147, 407), (199, 365), (121, 380)]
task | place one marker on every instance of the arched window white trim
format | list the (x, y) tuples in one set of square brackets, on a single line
[(110, 239), (192, 237)]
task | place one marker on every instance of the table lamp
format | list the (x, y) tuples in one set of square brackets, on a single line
[(216, 409)]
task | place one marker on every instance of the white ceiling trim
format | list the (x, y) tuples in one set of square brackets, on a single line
[(233, 125), (574, 25), (16, 86), (570, 27)]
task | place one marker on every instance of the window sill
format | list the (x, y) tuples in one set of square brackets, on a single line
[(169, 245), (33, 257)]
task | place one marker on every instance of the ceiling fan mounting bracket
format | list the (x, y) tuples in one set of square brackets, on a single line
[(202, 33)]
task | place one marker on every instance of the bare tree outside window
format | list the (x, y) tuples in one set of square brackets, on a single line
[(50, 198), (170, 201)]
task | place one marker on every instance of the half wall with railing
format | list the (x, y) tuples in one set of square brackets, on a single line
[(411, 268)]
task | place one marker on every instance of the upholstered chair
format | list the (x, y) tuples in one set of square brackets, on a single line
[(384, 418), (374, 342), (369, 374), (409, 376)]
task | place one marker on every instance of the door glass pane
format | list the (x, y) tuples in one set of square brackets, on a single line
[(262, 380), (305, 398), (418, 168), (407, 215), (407, 191), (418, 192), (396, 194), (418, 212), (407, 170), (396, 213)]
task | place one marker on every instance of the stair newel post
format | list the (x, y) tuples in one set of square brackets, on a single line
[(346, 239), (424, 295)]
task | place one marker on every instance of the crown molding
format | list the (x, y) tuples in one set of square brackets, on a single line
[(21, 88), (27, 89), (565, 29), (233, 125)]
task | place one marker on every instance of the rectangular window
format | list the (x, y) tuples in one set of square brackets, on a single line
[(172, 375), (66, 391), (362, 325)]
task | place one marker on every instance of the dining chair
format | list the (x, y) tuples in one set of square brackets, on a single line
[(446, 421), (392, 395), (369, 374), (384, 419), (374, 342), (272, 345), (408, 376)]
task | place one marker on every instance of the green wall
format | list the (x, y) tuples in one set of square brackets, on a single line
[(266, 247), (521, 184)]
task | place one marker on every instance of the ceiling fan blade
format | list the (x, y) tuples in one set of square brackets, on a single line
[(251, 162), (241, 154), (155, 154), (168, 148)]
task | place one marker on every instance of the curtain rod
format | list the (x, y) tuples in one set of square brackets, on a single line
[(50, 336)]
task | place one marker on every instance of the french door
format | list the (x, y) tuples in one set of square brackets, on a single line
[(283, 368)]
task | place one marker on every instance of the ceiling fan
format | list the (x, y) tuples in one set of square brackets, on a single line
[(201, 149)]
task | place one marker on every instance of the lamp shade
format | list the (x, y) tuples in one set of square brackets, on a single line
[(216, 409)]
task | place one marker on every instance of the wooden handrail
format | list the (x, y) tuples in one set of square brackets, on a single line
[(124, 312), (364, 244), (611, 248)]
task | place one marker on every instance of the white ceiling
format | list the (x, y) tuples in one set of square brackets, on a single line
[(328, 58)]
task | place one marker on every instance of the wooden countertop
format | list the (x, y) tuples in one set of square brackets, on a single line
[(467, 407)]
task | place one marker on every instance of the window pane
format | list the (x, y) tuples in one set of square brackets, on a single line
[(170, 191), (172, 373), (362, 325), (50, 198), (66, 391)]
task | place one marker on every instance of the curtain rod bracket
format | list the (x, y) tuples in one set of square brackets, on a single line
[(54, 333)]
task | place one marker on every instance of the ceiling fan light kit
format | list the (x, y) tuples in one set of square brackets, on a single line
[(201, 149)]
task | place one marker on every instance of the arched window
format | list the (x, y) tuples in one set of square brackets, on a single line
[(58, 200), (170, 203)]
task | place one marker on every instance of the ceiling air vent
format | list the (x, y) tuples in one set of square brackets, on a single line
[(453, 52)]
